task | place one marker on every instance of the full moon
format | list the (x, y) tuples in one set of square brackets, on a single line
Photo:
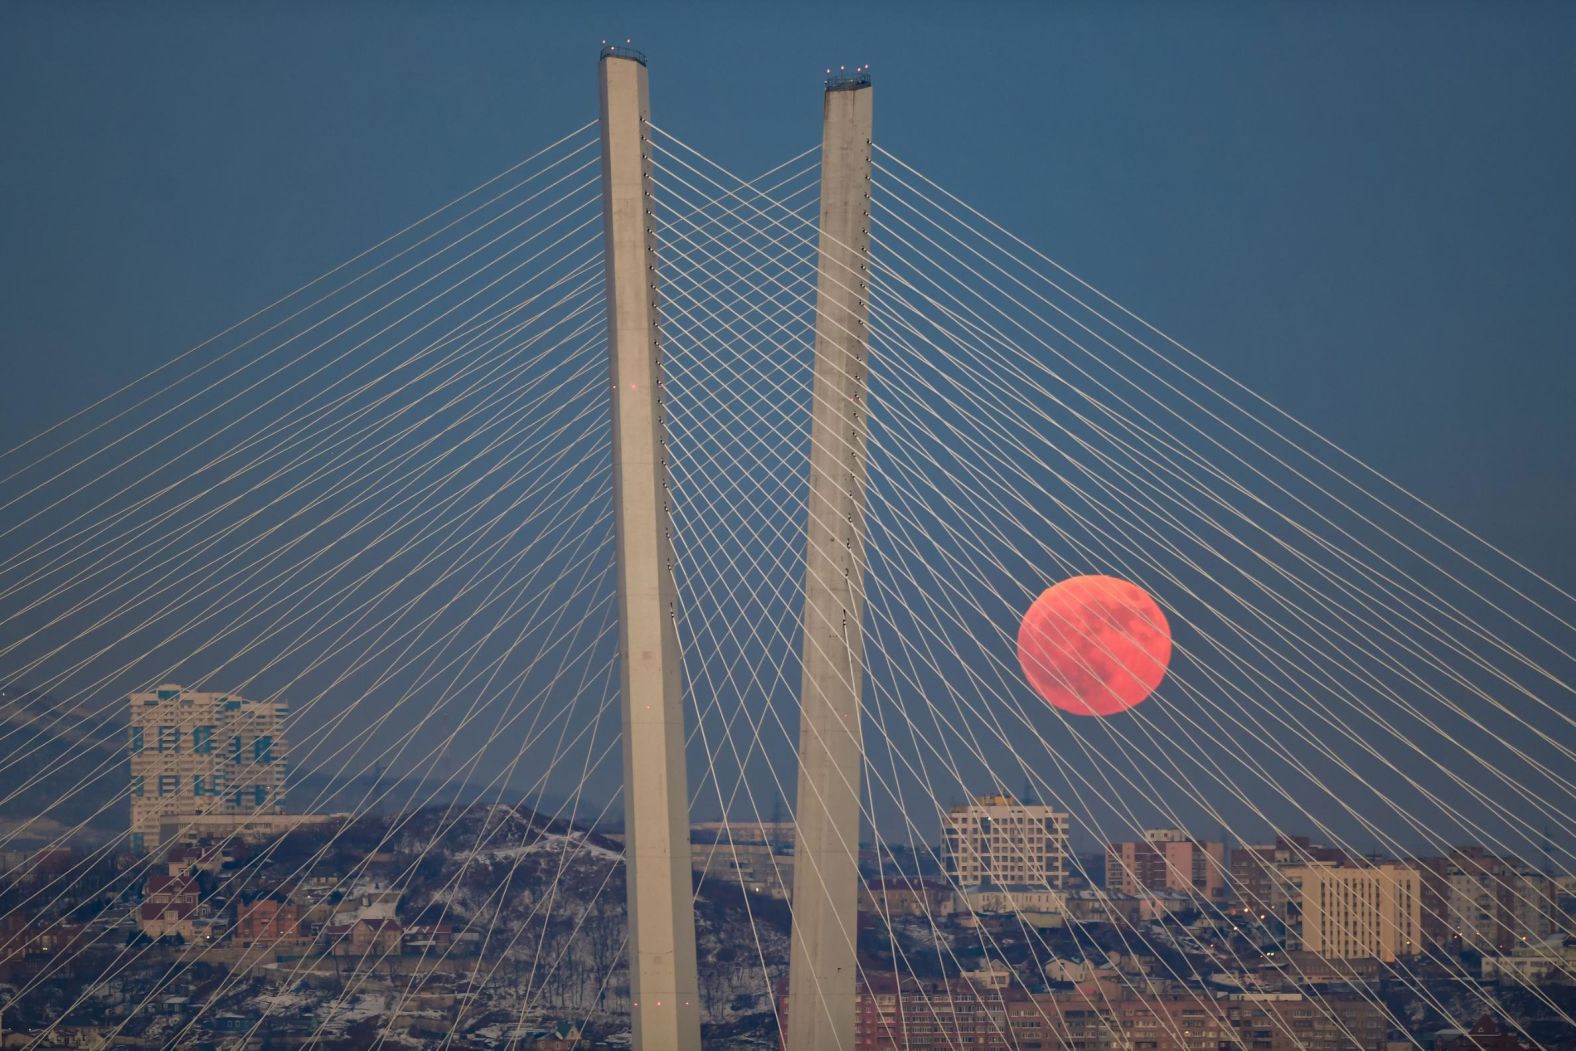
[(1094, 645)]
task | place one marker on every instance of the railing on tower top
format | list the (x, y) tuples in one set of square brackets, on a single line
[(848, 79), (623, 51)]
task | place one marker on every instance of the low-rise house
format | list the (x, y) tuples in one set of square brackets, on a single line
[(564, 1036), (170, 906), (1486, 1035), (906, 896), (374, 937), (204, 857), (429, 937), (174, 920), (367, 903), (267, 922), (993, 975)]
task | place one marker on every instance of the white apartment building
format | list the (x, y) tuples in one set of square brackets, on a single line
[(1349, 912), (204, 756), (1491, 904), (1531, 964), (997, 841)]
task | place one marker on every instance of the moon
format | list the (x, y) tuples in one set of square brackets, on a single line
[(1094, 645)]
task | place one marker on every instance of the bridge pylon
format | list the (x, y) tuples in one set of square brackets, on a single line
[(664, 992), (821, 977)]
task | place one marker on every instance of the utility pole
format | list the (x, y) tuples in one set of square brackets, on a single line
[(664, 991), (822, 964)]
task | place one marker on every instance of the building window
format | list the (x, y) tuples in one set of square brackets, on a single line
[(169, 784), (169, 738), (198, 788), (263, 749), (235, 749), (136, 739), (202, 740), (260, 794), (137, 785)]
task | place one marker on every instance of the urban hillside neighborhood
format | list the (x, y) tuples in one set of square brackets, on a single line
[(220, 919)]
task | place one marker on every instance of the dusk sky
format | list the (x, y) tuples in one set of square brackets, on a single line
[(1363, 212)]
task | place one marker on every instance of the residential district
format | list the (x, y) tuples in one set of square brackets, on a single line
[(221, 920)]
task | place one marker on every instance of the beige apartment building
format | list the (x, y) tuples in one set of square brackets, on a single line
[(997, 841), (205, 758), (1354, 911)]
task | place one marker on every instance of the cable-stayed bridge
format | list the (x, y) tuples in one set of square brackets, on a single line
[(857, 429)]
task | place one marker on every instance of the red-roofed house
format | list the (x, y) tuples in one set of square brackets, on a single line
[(1486, 1035), (365, 937), (169, 906), (268, 922)]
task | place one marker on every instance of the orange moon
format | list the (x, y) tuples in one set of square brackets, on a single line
[(1094, 645)]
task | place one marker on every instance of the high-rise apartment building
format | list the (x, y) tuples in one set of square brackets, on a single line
[(1473, 899), (1166, 859), (202, 756), (1354, 911), (998, 841)]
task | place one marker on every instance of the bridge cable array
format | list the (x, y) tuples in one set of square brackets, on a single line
[(388, 503), (924, 511)]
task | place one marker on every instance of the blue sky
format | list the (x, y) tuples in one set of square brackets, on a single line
[(1363, 211)]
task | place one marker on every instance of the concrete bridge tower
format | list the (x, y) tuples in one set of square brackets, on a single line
[(665, 1008), (821, 977)]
